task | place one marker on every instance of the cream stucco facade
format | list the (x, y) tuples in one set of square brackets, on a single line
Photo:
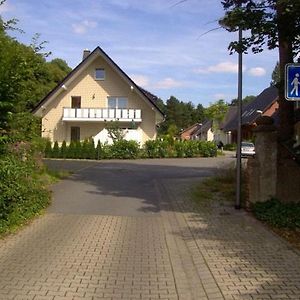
[(94, 108)]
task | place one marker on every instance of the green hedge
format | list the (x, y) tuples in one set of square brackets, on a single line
[(123, 149), (23, 194)]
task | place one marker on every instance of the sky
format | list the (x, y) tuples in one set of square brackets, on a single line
[(168, 47)]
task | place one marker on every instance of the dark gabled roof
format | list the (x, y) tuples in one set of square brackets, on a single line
[(249, 113), (150, 97), (231, 113)]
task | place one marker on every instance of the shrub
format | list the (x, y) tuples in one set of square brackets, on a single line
[(48, 149), (63, 150), (55, 151), (229, 147), (207, 149), (22, 193), (278, 214), (152, 148), (124, 149), (179, 148)]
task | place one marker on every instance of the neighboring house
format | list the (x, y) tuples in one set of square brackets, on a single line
[(97, 91), (186, 134), (219, 134), (265, 104), (204, 132), (198, 131)]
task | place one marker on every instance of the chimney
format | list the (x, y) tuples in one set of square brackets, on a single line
[(86, 53)]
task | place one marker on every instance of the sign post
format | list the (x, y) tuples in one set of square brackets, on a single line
[(292, 82)]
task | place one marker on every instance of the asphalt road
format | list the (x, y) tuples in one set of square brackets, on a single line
[(122, 188)]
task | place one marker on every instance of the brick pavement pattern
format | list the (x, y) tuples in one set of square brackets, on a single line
[(183, 252)]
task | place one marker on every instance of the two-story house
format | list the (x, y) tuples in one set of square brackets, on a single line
[(94, 93)]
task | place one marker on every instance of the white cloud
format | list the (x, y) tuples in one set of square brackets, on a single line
[(168, 83), (83, 26), (140, 80), (257, 72), (223, 67)]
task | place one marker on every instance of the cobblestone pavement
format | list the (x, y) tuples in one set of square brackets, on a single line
[(175, 251)]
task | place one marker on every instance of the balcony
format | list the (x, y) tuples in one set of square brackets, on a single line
[(102, 114)]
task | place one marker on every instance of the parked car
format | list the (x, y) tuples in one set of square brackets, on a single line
[(247, 149)]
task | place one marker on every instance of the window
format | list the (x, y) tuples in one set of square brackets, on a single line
[(117, 102), (75, 134), (75, 101), (99, 74)]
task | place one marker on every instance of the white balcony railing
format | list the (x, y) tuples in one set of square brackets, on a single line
[(102, 114)]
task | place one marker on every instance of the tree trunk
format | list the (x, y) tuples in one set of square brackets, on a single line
[(286, 108)]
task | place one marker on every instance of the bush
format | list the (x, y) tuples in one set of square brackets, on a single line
[(160, 148), (48, 149), (55, 151), (229, 147), (207, 149), (278, 214), (22, 193), (124, 149), (63, 150)]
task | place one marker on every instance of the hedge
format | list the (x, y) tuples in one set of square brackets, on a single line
[(123, 149)]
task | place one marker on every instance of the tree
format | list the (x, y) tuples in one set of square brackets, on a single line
[(245, 101), (271, 24), (25, 76), (216, 112), (275, 76)]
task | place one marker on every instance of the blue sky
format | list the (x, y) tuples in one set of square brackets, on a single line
[(160, 45)]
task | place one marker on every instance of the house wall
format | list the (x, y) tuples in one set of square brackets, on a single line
[(94, 94), (271, 110), (186, 135)]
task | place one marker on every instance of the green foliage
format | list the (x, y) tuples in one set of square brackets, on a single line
[(124, 149), (229, 147), (63, 150), (278, 214), (25, 76), (266, 21), (23, 195), (216, 112), (179, 115), (55, 150), (115, 132)]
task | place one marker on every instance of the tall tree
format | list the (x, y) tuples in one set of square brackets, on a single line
[(216, 112), (271, 24)]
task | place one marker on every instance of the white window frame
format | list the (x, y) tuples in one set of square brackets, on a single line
[(102, 78)]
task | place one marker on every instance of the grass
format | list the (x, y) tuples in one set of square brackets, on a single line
[(219, 188)]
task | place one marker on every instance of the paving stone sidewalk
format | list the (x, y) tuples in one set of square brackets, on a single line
[(245, 259), (183, 252)]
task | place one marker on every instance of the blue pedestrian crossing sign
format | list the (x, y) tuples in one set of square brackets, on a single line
[(292, 82)]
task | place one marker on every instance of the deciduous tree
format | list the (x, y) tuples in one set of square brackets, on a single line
[(270, 24)]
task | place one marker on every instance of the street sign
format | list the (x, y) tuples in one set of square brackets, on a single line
[(292, 82)]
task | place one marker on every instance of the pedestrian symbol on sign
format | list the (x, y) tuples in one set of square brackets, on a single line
[(295, 83), (292, 82)]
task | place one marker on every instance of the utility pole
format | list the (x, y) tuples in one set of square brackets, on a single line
[(239, 128)]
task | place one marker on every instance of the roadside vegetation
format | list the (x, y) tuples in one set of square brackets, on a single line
[(123, 149), (219, 190)]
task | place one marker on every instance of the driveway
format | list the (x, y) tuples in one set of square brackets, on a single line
[(128, 230)]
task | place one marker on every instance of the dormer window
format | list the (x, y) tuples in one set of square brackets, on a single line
[(99, 74)]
